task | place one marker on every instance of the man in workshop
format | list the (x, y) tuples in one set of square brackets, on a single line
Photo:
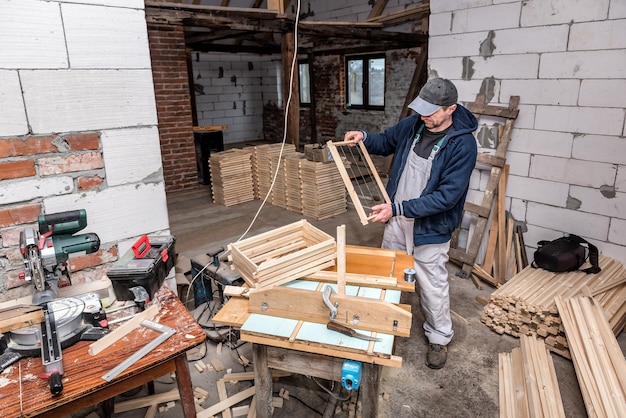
[(435, 153)]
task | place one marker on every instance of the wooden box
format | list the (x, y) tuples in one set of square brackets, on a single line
[(282, 255), (316, 153)]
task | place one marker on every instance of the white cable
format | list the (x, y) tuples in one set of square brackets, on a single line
[(287, 106), (285, 119)]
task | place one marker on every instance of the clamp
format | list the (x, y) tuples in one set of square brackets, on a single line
[(328, 290)]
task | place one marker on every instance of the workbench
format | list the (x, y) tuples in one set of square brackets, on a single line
[(23, 394), (300, 347)]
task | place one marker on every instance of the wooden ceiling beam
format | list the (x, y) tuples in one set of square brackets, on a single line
[(378, 8)]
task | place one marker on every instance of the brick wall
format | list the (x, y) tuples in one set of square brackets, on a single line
[(171, 88), (77, 129), (566, 62)]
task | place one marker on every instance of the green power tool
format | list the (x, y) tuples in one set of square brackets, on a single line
[(46, 252), (45, 255)]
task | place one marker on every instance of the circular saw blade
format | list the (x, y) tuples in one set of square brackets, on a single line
[(35, 266)]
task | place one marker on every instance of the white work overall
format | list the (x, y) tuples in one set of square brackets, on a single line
[(429, 260)]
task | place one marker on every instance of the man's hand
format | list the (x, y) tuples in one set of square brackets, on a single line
[(381, 213), (353, 137)]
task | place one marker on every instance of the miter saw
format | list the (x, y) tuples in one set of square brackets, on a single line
[(46, 253)]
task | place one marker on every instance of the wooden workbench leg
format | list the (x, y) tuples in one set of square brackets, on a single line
[(262, 381), (185, 387), (370, 382)]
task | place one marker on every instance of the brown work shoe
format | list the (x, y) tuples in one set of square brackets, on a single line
[(436, 357)]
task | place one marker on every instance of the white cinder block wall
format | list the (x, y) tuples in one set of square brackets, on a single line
[(567, 62), (230, 90), (70, 67)]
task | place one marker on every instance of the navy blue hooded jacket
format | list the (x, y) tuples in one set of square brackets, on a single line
[(437, 212)]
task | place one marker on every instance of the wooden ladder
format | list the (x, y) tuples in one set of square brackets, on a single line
[(496, 163)]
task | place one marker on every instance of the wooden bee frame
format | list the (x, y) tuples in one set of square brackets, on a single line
[(334, 148)]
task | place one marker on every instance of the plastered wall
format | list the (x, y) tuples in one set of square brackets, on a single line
[(78, 127), (566, 60)]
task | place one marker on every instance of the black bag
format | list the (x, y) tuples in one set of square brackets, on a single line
[(566, 254)]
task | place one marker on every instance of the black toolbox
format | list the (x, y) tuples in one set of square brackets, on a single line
[(146, 264)]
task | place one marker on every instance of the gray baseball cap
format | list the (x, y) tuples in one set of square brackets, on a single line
[(436, 92)]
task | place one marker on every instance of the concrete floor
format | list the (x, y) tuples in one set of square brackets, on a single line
[(466, 387)]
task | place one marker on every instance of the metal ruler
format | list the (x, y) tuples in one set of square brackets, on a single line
[(166, 332)]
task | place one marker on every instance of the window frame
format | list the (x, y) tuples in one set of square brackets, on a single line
[(365, 59), (304, 104)]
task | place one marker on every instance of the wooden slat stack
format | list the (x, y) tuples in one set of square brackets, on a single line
[(264, 168), (598, 358), (279, 192), (525, 305), (231, 172), (284, 254), (293, 182), (323, 194), (527, 382)]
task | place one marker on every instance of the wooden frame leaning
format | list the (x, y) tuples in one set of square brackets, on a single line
[(373, 173)]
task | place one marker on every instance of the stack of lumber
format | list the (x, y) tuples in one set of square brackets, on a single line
[(525, 305), (323, 194), (231, 172), (279, 191), (282, 255), (528, 383), (598, 359), (265, 170), (293, 182)]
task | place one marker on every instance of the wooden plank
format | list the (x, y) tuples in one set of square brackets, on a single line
[(223, 395), (226, 403), (374, 315), (378, 8), (491, 242), (20, 316), (479, 107), (121, 331), (500, 276), (392, 361), (354, 279), (341, 259), (238, 377), (172, 395)]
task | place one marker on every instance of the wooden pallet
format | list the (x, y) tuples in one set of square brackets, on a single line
[(284, 254), (495, 164)]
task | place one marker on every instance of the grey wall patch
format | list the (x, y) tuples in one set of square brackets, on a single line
[(154, 177), (487, 46), (573, 203), (488, 88), (608, 191), (61, 144), (468, 68), (487, 136), (432, 73)]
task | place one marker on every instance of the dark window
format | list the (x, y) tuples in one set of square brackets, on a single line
[(365, 82)]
